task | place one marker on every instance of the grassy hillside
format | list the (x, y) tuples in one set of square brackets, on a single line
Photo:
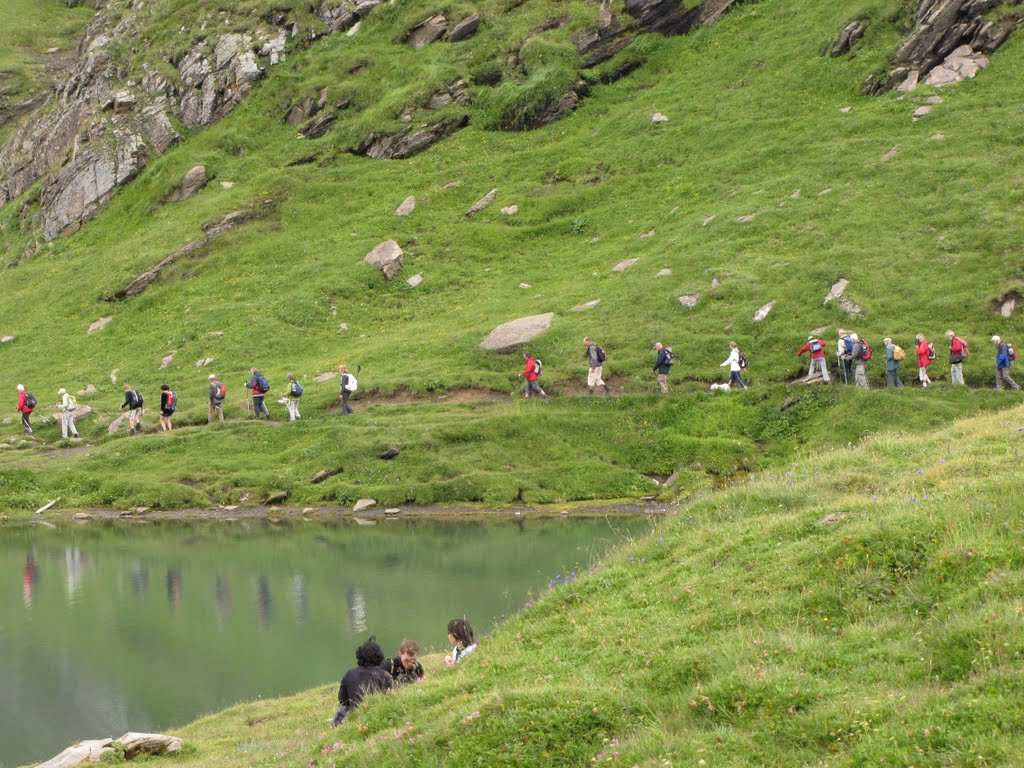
[(861, 608), (927, 238)]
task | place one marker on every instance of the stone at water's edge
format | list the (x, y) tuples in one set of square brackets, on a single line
[(363, 504), (81, 752), (507, 336), (387, 257), (136, 744)]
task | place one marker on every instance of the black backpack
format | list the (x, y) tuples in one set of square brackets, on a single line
[(296, 389), (601, 356), (30, 400), (262, 383), (743, 360), (139, 400)]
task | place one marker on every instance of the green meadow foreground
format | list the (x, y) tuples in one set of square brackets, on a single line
[(862, 607)]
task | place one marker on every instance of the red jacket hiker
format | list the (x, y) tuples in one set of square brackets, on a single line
[(530, 369), (922, 354), (957, 346), (22, 403), (814, 355)]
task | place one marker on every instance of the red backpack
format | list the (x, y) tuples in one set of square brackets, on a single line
[(865, 354)]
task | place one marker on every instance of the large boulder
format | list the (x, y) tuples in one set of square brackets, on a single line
[(193, 181), (427, 32), (84, 751), (507, 336), (135, 744), (387, 257), (465, 29), (410, 142)]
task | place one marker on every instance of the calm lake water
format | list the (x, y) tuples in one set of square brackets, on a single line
[(108, 628)]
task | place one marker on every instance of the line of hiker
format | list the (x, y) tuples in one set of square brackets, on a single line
[(854, 353), (134, 402), (375, 674)]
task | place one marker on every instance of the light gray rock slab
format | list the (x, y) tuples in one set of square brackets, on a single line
[(507, 336)]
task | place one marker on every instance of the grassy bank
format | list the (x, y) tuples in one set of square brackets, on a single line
[(861, 608), (494, 453)]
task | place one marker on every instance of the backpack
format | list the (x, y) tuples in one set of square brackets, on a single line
[(222, 391), (816, 346), (296, 389), (865, 353), (670, 359), (898, 352), (601, 356), (172, 401), (1011, 353), (352, 385), (743, 360), (848, 344), (138, 398), (538, 367), (30, 400), (72, 403), (262, 383), (964, 349), (931, 351)]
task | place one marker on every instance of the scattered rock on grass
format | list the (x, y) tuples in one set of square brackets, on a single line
[(6, 339), (464, 29), (390, 453), (837, 290), (324, 377), (427, 32), (167, 360), (708, 220), (747, 218), (510, 210), (387, 257), (648, 233), (622, 266), (482, 203), (658, 117), (89, 390), (762, 313), (921, 112), (937, 136), (193, 181), (99, 324), (795, 195), (204, 362), (415, 280), (664, 273), (92, 751), (525, 285), (889, 155), (585, 307), (277, 498), (690, 300), (406, 207), (323, 474), (835, 517), (510, 335), (136, 744)]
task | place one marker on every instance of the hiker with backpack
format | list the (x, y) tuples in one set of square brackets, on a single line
[(893, 355), (532, 370), (844, 351), (66, 407), (348, 385), (168, 405), (663, 364), (736, 361), (1005, 357), (958, 352), (259, 386), (595, 360), (292, 398), (217, 393), (26, 404), (816, 347), (133, 401), (860, 356), (925, 355)]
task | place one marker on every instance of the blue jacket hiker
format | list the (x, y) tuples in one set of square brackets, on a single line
[(1004, 359)]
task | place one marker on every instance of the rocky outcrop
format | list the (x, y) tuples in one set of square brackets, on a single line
[(849, 37), (507, 336), (132, 745), (193, 181), (215, 78), (387, 257), (940, 28), (456, 93), (318, 126), (409, 142), (428, 31), (464, 30), (211, 231)]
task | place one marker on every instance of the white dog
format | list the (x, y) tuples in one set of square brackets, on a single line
[(721, 387)]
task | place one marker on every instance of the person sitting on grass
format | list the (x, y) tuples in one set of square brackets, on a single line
[(366, 677), (404, 668), (460, 636)]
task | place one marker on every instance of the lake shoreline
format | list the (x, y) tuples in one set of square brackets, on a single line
[(276, 514)]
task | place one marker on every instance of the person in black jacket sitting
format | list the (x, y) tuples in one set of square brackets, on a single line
[(367, 677), (404, 668)]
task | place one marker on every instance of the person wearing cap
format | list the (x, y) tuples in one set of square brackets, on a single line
[(259, 386), (662, 365), (892, 365), (860, 376), (816, 347), (24, 409), (844, 352), (1003, 363), (217, 392), (67, 407), (957, 352)]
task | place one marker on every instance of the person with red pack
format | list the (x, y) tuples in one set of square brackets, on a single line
[(816, 347), (925, 355), (531, 372)]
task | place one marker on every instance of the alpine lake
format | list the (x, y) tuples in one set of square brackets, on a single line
[(112, 627)]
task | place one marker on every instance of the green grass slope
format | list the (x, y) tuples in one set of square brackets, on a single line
[(861, 608), (927, 238)]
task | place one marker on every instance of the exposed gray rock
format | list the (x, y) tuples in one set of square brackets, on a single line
[(427, 32), (88, 390), (81, 412), (507, 336), (325, 377), (482, 203), (585, 307), (1007, 307), (910, 82), (135, 744), (99, 324), (456, 93), (708, 220), (622, 266), (689, 301), (117, 424), (6, 339), (962, 63), (409, 142), (510, 210), (415, 280), (848, 38), (849, 307), (746, 218), (167, 360), (921, 112), (91, 751), (465, 29), (204, 362), (658, 117), (406, 207), (648, 233), (837, 290), (362, 504), (796, 195), (301, 112), (934, 99), (318, 126), (664, 273), (525, 285), (193, 181), (937, 137), (323, 474), (762, 313), (889, 155), (387, 257)]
